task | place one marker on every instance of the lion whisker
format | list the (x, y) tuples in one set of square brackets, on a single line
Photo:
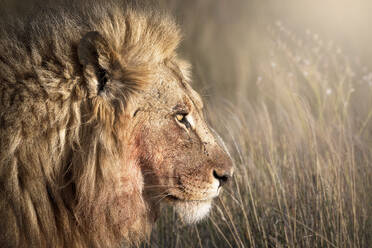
[(164, 196), (163, 186), (150, 173)]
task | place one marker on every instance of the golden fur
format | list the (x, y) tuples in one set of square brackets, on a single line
[(81, 155)]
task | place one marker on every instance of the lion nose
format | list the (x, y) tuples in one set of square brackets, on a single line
[(222, 177)]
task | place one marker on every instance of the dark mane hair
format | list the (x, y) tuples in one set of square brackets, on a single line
[(59, 151)]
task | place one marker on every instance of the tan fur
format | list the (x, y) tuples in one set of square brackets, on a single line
[(85, 162)]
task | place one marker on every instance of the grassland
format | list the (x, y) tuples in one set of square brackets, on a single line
[(296, 114)]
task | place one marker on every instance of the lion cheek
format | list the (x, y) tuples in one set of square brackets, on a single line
[(193, 211)]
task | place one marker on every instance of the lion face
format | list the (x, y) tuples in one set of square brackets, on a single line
[(180, 160)]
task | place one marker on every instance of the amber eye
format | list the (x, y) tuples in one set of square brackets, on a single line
[(182, 119)]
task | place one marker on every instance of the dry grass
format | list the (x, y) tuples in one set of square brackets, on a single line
[(298, 120)]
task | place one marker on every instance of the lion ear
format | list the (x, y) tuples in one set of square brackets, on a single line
[(96, 56)]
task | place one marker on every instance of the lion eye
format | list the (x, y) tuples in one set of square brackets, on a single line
[(182, 118)]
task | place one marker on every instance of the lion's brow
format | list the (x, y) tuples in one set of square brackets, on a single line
[(176, 72), (197, 101), (180, 79)]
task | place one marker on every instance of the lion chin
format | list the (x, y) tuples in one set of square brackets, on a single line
[(192, 211)]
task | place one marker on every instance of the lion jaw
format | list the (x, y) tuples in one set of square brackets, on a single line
[(192, 211)]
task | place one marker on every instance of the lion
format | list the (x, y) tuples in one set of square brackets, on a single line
[(99, 128)]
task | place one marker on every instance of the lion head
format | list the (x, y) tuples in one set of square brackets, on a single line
[(106, 130)]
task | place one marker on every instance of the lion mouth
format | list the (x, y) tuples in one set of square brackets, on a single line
[(172, 199)]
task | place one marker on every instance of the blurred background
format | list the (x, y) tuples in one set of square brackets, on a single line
[(228, 36)]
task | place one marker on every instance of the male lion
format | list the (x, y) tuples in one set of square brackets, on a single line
[(98, 126)]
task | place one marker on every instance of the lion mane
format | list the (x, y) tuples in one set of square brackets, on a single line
[(60, 156)]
